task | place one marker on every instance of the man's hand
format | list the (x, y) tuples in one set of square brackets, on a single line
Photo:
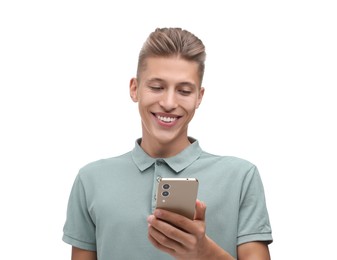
[(181, 237)]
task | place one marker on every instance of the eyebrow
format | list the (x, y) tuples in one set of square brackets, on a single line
[(155, 80), (186, 83)]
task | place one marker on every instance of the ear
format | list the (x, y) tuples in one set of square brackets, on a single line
[(134, 89), (200, 96)]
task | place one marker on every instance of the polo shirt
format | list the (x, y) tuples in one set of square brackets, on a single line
[(111, 199)]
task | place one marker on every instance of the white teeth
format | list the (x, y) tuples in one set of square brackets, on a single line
[(166, 119)]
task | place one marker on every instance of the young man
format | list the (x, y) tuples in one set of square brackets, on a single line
[(111, 210)]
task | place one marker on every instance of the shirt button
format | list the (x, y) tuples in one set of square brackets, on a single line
[(158, 178)]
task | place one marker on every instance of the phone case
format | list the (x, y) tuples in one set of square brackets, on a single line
[(178, 195)]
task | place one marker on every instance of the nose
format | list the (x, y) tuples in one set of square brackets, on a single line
[(168, 100)]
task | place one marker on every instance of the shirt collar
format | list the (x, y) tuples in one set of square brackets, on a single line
[(176, 163)]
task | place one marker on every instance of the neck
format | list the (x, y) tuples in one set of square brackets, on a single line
[(163, 150)]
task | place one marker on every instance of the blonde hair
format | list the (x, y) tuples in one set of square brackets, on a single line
[(171, 42)]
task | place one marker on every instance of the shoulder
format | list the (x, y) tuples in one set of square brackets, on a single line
[(226, 168), (227, 161), (104, 165)]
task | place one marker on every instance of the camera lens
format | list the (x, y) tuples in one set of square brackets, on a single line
[(165, 193), (166, 186)]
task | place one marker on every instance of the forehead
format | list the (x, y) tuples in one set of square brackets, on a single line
[(170, 69)]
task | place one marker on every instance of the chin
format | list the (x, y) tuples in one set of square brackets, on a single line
[(167, 138)]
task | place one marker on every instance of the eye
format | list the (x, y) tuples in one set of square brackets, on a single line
[(156, 88), (184, 92)]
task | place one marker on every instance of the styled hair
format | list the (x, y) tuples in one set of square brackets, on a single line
[(173, 42)]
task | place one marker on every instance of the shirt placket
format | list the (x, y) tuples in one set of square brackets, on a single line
[(158, 172)]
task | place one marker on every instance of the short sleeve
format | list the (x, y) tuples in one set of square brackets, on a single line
[(254, 222), (79, 229)]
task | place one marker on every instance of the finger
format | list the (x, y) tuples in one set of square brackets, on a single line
[(183, 224), (156, 244), (175, 219), (162, 242), (169, 230), (200, 211)]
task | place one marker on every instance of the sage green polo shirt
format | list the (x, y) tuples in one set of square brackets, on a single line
[(112, 198)]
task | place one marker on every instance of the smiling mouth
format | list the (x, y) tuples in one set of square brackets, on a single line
[(167, 119)]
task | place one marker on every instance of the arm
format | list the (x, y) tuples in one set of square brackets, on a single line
[(253, 251), (183, 238), (81, 254)]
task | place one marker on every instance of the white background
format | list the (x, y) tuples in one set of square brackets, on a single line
[(270, 98)]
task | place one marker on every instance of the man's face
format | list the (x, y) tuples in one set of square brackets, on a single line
[(168, 93)]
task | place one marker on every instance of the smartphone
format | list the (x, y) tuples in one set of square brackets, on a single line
[(178, 195)]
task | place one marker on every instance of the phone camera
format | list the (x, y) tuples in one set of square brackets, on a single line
[(166, 186), (165, 193)]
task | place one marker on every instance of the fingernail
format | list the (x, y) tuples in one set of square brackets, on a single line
[(150, 218), (158, 213)]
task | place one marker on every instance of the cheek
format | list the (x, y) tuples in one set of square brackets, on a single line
[(145, 104), (190, 105), (143, 100)]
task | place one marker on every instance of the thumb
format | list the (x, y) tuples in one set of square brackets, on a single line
[(200, 210)]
